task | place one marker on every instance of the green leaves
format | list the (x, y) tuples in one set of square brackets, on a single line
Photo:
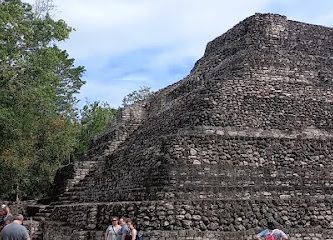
[(94, 120), (137, 96), (39, 125), (38, 83)]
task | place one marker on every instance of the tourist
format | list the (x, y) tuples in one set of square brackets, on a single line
[(113, 231), (124, 231), (15, 230), (2, 210), (271, 233), (131, 235), (2, 216), (7, 217)]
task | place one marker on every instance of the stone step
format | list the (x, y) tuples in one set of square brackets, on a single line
[(67, 198), (43, 214), (85, 163), (63, 202), (70, 193), (34, 209), (76, 188), (83, 171), (39, 218), (233, 191), (57, 223)]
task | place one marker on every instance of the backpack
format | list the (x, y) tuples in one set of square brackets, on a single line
[(269, 236), (139, 236)]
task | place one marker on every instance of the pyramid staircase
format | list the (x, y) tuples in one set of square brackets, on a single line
[(128, 120)]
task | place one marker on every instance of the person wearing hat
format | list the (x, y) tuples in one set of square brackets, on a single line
[(113, 231), (272, 233), (15, 230)]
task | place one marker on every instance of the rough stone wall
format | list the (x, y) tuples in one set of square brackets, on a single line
[(127, 121), (304, 234), (210, 165), (202, 215), (248, 77), (246, 137)]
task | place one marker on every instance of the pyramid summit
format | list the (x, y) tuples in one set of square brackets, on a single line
[(245, 138)]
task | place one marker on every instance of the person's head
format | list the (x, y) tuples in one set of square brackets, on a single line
[(130, 224), (122, 220), (270, 225), (5, 208), (114, 221), (2, 209), (18, 218)]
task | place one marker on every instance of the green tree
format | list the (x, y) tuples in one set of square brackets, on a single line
[(38, 83), (137, 96), (94, 120)]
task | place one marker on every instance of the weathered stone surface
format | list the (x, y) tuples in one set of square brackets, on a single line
[(245, 138)]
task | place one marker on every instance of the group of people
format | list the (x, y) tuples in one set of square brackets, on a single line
[(122, 229), (11, 225), (125, 229)]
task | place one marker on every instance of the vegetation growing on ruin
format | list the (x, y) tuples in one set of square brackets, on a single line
[(39, 125)]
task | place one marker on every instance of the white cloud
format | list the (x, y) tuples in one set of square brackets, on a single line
[(106, 27), (113, 93), (135, 78), (111, 29)]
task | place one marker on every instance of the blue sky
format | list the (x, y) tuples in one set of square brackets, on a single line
[(125, 44)]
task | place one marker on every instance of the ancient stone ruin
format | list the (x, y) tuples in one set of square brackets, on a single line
[(246, 137)]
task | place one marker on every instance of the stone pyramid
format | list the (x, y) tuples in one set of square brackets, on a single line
[(246, 137)]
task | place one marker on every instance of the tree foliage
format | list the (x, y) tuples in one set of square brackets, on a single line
[(40, 127), (38, 83), (94, 120), (137, 96), (41, 8)]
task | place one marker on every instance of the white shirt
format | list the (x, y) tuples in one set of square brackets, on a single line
[(113, 233)]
